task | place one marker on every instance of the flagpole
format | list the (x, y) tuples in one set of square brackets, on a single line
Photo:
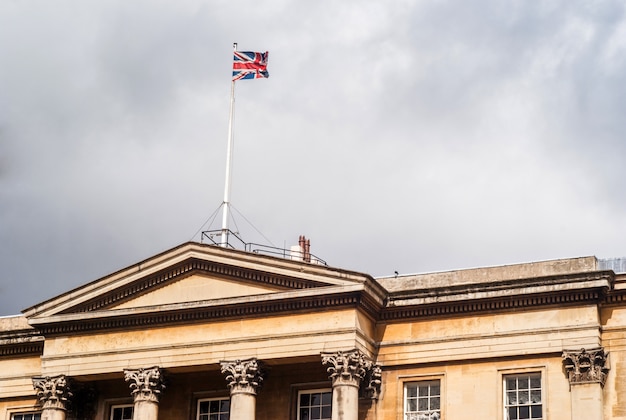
[(229, 158)]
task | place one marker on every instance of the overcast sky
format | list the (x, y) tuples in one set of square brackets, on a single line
[(407, 136)]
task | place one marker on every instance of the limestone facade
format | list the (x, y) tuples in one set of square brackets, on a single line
[(205, 333)]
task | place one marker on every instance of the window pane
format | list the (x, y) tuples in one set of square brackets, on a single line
[(522, 382), (535, 396), (535, 382), (225, 405), (511, 383), (535, 412), (327, 398), (512, 413), (523, 397), (524, 412)]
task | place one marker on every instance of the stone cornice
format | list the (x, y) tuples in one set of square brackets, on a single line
[(21, 343), (507, 303), (597, 279), (258, 305)]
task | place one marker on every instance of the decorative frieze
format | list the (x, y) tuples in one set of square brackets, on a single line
[(586, 366), (346, 367), (52, 392), (145, 384), (243, 376)]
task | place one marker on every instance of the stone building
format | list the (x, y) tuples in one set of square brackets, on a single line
[(206, 333)]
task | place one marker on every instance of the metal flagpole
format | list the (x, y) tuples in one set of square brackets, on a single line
[(229, 159)]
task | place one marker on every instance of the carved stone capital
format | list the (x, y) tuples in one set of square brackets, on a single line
[(586, 366), (52, 392), (370, 388), (243, 376), (346, 367), (146, 384)]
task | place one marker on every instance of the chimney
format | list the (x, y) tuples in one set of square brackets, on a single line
[(302, 251)]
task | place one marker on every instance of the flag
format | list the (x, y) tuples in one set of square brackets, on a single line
[(250, 65)]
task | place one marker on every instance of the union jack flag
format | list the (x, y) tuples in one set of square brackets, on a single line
[(250, 65)]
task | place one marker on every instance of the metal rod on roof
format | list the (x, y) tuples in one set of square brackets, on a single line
[(229, 159)]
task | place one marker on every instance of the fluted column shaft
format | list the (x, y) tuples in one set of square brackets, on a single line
[(146, 386), (244, 377), (53, 394)]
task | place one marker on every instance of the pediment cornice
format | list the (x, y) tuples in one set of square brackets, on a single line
[(189, 259), (309, 300)]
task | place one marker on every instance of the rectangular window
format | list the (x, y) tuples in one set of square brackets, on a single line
[(422, 400), (122, 412), (26, 416), (213, 409), (315, 404), (522, 399)]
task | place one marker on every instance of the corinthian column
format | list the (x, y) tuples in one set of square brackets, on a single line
[(146, 385), (53, 393), (346, 370), (586, 371), (244, 378)]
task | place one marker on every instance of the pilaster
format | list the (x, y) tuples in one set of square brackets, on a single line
[(586, 371)]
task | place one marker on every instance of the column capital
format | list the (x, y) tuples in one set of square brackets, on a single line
[(586, 366), (372, 382), (146, 384), (243, 376), (346, 367), (53, 392)]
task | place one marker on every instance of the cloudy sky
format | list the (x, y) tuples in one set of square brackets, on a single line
[(397, 135)]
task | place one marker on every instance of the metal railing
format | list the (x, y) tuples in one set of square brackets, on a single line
[(256, 248)]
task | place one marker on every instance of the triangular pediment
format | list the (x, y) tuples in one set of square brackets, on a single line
[(195, 276), (197, 287)]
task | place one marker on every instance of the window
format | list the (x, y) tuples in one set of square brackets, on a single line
[(26, 416), (213, 409), (122, 412), (422, 400), (315, 404), (522, 399)]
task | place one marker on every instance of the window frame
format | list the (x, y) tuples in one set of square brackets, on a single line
[(24, 413), (505, 391), (122, 406), (521, 369), (424, 383), (301, 391), (402, 380), (22, 409), (216, 398)]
